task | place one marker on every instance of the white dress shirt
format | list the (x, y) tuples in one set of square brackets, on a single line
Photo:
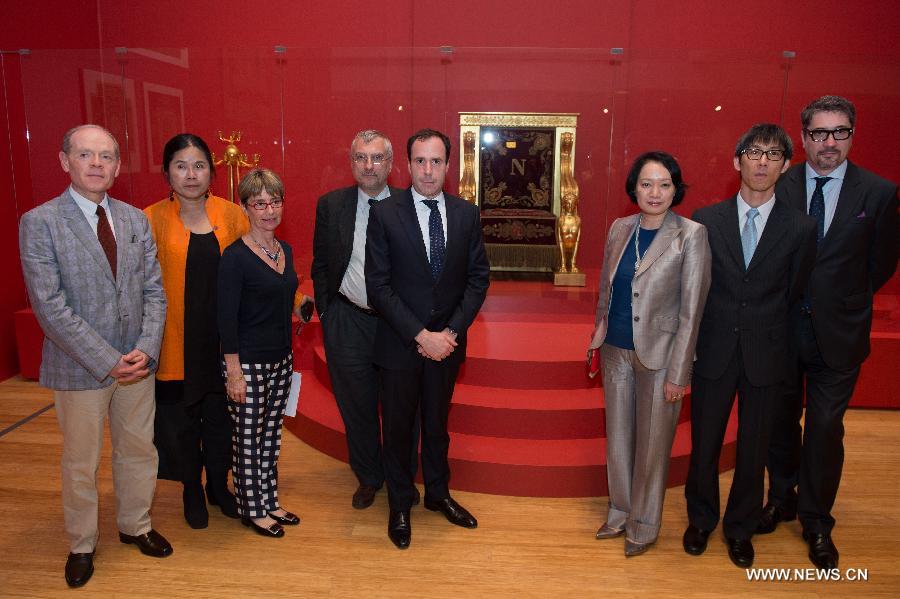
[(831, 190), (764, 211), (353, 285), (89, 209), (423, 213)]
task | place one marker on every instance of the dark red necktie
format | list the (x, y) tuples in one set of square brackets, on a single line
[(107, 239)]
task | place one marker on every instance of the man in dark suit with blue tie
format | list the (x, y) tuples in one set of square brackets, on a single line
[(856, 215), (762, 253), (427, 275)]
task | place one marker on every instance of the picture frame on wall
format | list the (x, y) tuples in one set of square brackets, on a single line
[(109, 100)]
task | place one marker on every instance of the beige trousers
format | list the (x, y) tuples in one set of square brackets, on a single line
[(640, 429), (81, 415)]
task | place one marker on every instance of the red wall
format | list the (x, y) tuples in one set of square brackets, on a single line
[(350, 66)]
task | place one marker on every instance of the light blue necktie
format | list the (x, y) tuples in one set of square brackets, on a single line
[(748, 236)]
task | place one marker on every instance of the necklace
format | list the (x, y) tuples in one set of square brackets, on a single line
[(637, 245), (273, 256)]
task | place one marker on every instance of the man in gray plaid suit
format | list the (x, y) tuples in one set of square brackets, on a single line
[(95, 286)]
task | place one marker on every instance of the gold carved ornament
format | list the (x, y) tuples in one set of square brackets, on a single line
[(233, 160), (568, 226), (467, 182)]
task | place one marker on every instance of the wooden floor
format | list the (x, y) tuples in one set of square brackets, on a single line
[(522, 548)]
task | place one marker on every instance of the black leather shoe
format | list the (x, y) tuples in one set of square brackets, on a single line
[(79, 568), (150, 543), (455, 513), (273, 530), (364, 496), (287, 519), (822, 552), (695, 539), (741, 552), (400, 529), (771, 515), (417, 498), (220, 496), (195, 505)]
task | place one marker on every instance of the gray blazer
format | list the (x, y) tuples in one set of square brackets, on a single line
[(89, 318), (668, 293)]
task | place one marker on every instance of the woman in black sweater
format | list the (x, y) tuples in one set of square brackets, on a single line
[(257, 293)]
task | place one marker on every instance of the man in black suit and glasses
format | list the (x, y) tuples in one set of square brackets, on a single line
[(427, 275), (762, 254), (856, 215), (348, 322)]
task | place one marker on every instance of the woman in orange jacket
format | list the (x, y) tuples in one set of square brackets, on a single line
[(193, 428)]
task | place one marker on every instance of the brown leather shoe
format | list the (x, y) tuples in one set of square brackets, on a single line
[(364, 496), (79, 568), (150, 543)]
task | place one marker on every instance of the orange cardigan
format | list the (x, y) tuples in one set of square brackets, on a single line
[(229, 224)]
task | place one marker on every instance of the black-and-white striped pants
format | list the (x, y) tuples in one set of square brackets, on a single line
[(256, 438)]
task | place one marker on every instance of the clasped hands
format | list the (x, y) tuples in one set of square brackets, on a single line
[(131, 367), (436, 345)]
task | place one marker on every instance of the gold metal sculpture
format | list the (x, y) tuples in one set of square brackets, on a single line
[(467, 189), (234, 159), (568, 225)]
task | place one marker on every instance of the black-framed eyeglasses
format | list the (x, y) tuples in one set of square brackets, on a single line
[(839, 134), (755, 154), (360, 158), (260, 205)]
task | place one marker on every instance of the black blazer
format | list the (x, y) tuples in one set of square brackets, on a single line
[(858, 256), (751, 306), (399, 283), (333, 242)]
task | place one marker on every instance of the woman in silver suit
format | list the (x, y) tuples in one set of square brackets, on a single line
[(653, 285)]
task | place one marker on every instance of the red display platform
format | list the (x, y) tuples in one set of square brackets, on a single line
[(525, 419)]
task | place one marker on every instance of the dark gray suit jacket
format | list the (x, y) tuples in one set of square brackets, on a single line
[(333, 242), (751, 306), (857, 257), (89, 318)]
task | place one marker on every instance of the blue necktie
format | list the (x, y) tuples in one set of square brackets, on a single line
[(748, 236), (817, 207), (436, 233), (372, 202)]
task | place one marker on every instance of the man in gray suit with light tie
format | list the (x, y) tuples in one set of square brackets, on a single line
[(95, 286)]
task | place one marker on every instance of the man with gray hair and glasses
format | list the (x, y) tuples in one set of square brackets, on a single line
[(348, 322), (856, 215)]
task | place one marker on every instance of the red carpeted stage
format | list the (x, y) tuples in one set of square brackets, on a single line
[(525, 419)]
